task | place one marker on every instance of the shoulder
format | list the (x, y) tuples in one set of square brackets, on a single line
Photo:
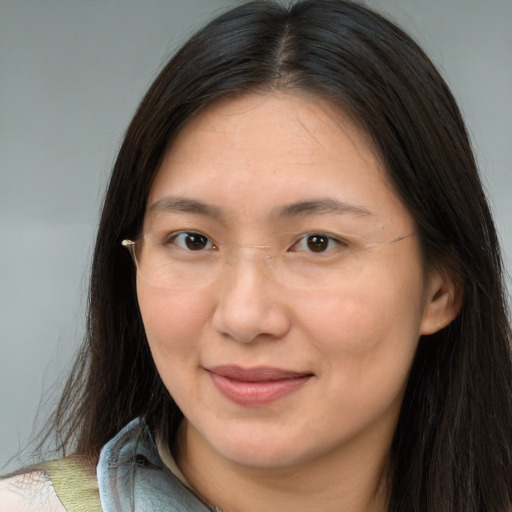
[(29, 492)]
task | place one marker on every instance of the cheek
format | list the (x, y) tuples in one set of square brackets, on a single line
[(368, 326), (173, 322)]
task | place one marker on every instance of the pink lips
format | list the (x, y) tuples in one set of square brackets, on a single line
[(253, 387)]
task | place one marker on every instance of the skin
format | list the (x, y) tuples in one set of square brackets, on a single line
[(324, 446)]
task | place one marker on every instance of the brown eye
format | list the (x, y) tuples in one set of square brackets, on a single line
[(195, 241), (192, 241), (317, 243)]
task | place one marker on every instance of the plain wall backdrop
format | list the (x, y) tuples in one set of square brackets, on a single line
[(71, 75)]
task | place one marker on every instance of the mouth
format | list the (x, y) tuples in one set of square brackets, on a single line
[(256, 387)]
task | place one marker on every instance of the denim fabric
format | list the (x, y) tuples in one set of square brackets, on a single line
[(133, 478)]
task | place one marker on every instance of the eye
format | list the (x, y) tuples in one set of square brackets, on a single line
[(316, 242), (192, 241)]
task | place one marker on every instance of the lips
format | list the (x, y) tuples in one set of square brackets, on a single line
[(256, 387)]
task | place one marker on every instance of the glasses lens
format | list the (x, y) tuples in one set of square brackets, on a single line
[(192, 261)]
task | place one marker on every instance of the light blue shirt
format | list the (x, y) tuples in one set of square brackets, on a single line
[(132, 476)]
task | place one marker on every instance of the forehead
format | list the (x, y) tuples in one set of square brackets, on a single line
[(266, 150), (290, 128)]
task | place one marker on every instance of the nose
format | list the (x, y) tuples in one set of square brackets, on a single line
[(250, 303)]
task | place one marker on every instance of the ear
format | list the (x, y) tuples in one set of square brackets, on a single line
[(443, 301)]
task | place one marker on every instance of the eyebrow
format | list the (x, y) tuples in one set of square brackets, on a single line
[(302, 208), (319, 206), (184, 205)]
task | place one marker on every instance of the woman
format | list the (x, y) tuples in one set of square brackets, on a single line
[(310, 313)]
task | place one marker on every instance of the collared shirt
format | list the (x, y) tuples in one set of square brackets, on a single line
[(133, 475)]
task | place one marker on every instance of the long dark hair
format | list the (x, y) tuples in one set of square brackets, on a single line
[(452, 447)]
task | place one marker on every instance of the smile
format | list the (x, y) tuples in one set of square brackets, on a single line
[(256, 387)]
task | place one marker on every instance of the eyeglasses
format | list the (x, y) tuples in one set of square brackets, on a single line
[(191, 259)]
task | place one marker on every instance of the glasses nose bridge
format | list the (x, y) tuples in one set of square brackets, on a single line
[(250, 266), (238, 253)]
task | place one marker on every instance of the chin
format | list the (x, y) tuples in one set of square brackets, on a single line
[(261, 456), (262, 449)]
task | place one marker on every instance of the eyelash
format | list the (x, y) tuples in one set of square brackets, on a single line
[(175, 236), (316, 238), (332, 242)]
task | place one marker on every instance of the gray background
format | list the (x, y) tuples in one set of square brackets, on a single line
[(71, 75)]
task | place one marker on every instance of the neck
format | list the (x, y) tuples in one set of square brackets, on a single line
[(353, 481)]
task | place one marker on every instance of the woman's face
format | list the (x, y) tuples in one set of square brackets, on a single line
[(287, 332)]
